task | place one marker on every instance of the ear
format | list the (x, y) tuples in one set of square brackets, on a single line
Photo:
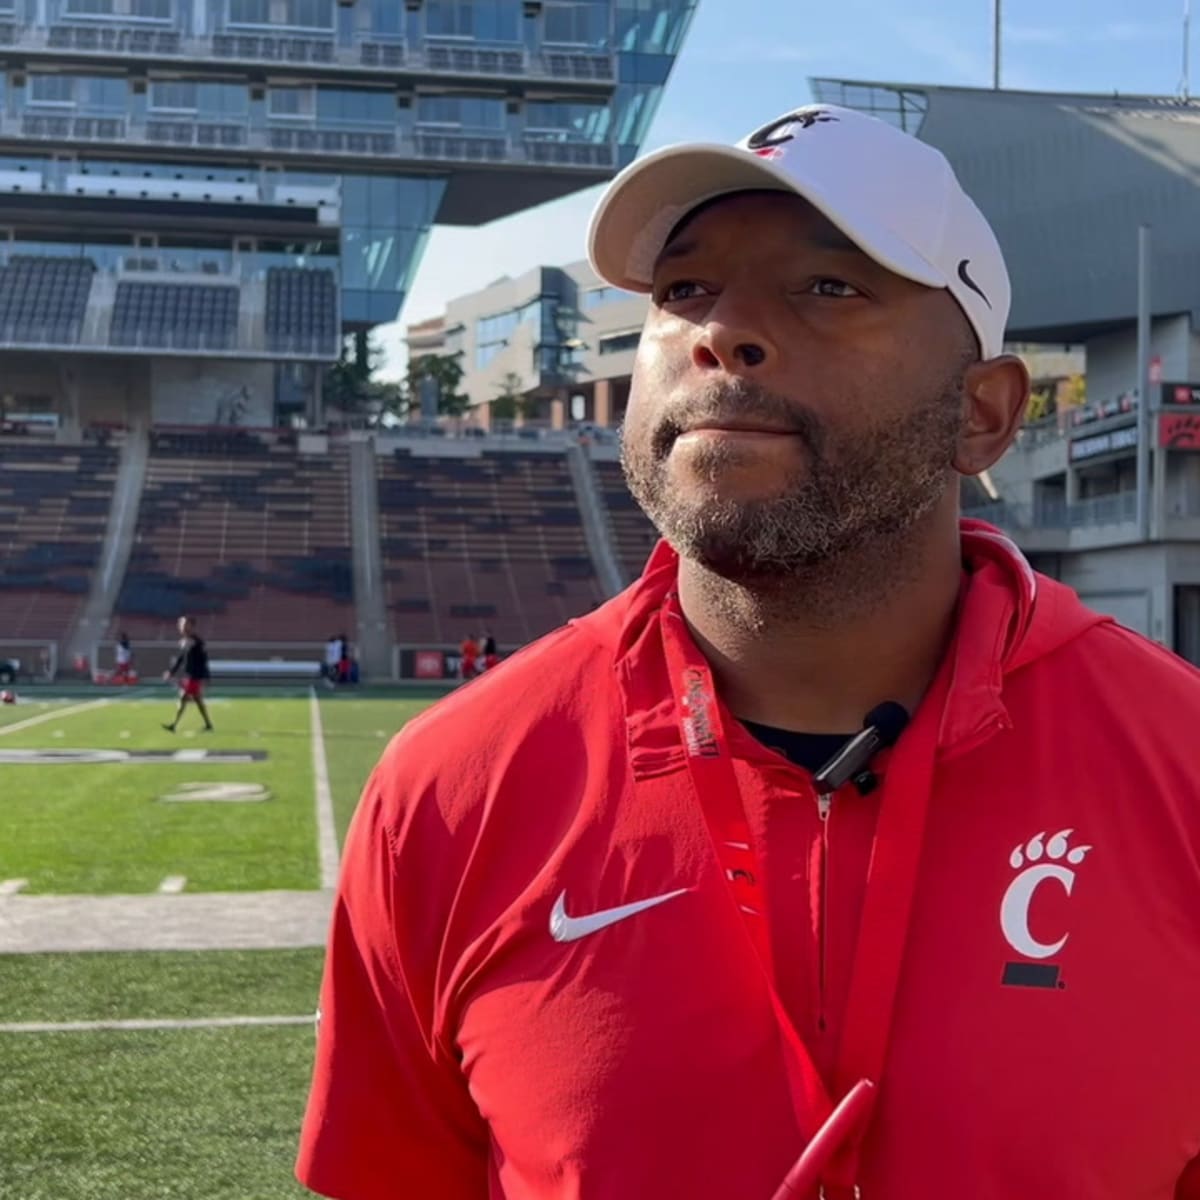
[(995, 395)]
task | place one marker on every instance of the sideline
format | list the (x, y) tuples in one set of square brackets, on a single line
[(327, 846), (138, 1024)]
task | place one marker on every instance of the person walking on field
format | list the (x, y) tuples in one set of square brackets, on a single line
[(193, 659), (843, 854)]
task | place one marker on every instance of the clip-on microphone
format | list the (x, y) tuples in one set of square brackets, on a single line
[(882, 726)]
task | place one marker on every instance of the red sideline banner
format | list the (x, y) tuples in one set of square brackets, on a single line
[(429, 664), (1179, 431)]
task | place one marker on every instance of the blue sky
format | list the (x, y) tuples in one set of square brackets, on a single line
[(746, 61)]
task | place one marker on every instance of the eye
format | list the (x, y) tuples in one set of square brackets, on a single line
[(836, 289), (682, 289)]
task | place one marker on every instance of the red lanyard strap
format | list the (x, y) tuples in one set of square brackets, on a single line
[(891, 884)]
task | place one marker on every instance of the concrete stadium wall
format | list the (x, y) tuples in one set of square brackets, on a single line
[(190, 391)]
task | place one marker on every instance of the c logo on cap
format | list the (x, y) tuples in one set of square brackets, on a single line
[(768, 135)]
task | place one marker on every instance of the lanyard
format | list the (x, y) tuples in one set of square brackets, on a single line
[(834, 1130)]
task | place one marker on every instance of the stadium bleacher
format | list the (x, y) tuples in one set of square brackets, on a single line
[(490, 542), (233, 527), (54, 505), (184, 316), (633, 534), (43, 298), (302, 309)]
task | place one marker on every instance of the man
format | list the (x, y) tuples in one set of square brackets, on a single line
[(626, 938), (333, 659), (124, 659), (490, 655), (193, 658), (468, 652)]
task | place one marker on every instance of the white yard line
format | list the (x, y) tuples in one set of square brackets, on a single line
[(57, 714), (10, 887), (145, 1023), (173, 885), (327, 847), (73, 709)]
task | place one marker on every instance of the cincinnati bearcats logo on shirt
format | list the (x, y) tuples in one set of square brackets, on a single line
[(1037, 863)]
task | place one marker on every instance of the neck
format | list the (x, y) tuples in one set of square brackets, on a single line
[(816, 652)]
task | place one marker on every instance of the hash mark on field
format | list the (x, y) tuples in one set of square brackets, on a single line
[(137, 1024), (125, 733), (173, 885), (10, 887), (327, 846)]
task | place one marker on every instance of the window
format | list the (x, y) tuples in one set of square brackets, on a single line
[(222, 99), (600, 296), (173, 95), (619, 343), (466, 112), (99, 93), (249, 12), (483, 20), (89, 8), (156, 10), (577, 24), (52, 89), (290, 103), (291, 14), (583, 122), (387, 18), (352, 106), (485, 354)]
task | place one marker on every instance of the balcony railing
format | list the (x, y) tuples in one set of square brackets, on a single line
[(1117, 509), (197, 133), (431, 56)]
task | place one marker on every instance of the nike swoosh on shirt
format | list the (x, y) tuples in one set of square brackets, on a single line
[(570, 929)]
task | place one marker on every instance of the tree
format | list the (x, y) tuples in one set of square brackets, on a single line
[(509, 400), (445, 371), (349, 385)]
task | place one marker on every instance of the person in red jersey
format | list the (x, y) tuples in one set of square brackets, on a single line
[(468, 657), (650, 914)]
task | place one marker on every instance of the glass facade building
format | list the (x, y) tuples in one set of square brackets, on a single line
[(228, 136)]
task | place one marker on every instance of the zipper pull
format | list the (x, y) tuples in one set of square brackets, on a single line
[(824, 804)]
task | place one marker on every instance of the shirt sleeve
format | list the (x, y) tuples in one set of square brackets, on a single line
[(389, 1116)]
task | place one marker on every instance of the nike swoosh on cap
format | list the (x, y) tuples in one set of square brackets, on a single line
[(962, 274), (570, 929)]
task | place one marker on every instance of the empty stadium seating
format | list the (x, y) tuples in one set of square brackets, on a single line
[(245, 533), (494, 542), (633, 533), (302, 312), (184, 316), (54, 503), (44, 299)]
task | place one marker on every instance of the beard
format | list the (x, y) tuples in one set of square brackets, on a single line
[(859, 490)]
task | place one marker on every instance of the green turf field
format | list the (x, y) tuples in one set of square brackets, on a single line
[(156, 1114)]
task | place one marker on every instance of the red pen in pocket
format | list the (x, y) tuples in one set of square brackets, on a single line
[(846, 1120)]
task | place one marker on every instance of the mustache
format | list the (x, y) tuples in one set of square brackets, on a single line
[(734, 400)]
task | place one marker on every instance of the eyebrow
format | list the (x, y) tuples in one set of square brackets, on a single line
[(824, 237)]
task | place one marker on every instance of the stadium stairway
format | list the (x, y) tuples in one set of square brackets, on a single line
[(374, 638), (118, 544), (596, 526)]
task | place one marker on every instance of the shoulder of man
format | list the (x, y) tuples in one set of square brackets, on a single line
[(1123, 690), (534, 717)]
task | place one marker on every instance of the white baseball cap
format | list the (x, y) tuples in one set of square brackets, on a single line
[(895, 197)]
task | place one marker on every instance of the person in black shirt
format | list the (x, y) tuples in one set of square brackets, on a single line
[(193, 658)]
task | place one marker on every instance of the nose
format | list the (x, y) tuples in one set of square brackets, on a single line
[(733, 340)]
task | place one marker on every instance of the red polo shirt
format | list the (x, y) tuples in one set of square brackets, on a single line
[(537, 987)]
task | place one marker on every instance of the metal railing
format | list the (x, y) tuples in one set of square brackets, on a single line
[(581, 65), (379, 142), (1117, 509)]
